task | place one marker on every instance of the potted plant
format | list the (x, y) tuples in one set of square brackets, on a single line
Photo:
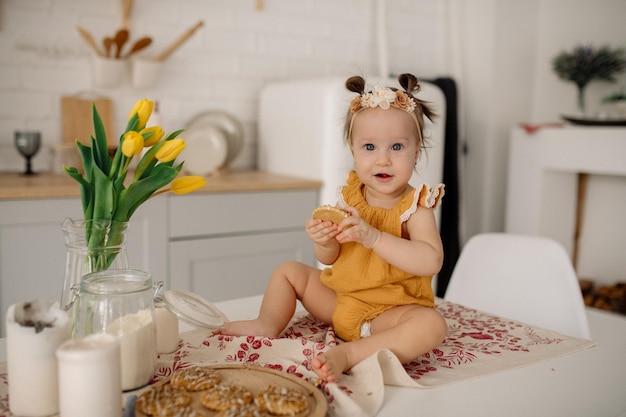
[(586, 63)]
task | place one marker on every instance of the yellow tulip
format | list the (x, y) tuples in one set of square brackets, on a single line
[(157, 134), (143, 109), (132, 144), (170, 150), (184, 185)]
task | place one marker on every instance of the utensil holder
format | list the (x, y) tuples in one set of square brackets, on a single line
[(145, 72), (108, 72)]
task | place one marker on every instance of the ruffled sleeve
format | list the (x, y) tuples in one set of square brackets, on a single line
[(431, 197), (350, 191), (425, 196)]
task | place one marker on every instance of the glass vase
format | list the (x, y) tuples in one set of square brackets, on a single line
[(92, 246)]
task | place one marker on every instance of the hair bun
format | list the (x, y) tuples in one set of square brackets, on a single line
[(356, 84), (409, 82)]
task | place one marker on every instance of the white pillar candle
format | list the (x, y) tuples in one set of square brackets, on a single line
[(166, 330), (31, 362), (90, 381)]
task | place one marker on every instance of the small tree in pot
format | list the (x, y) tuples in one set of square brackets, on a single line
[(586, 63)]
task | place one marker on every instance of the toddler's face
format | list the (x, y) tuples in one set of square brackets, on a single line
[(385, 146)]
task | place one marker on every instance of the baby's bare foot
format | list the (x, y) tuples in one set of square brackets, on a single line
[(330, 365), (246, 328)]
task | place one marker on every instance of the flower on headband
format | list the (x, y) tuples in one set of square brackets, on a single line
[(355, 104), (381, 97), (404, 102), (384, 98)]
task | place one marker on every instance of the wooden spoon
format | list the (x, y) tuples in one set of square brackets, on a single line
[(139, 44), (89, 39), (127, 8), (178, 42), (121, 37), (108, 44)]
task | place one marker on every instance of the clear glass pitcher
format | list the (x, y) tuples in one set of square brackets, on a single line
[(92, 245), (121, 302)]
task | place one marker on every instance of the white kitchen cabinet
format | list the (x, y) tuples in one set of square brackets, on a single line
[(226, 245), (32, 248)]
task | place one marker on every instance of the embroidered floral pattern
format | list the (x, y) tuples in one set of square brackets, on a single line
[(471, 335)]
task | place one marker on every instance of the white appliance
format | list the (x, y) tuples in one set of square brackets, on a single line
[(301, 132)]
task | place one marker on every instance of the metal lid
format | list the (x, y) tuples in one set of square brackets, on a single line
[(193, 309)]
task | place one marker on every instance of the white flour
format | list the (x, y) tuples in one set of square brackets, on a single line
[(137, 334)]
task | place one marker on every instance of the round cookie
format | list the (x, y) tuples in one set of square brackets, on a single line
[(195, 378), (163, 397), (326, 212), (187, 411), (223, 397), (248, 410), (282, 401)]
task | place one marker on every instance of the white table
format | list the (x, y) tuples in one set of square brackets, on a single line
[(588, 383)]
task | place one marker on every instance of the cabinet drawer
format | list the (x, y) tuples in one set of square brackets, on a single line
[(226, 213), (231, 267)]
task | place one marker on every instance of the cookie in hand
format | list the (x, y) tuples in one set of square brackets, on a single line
[(326, 212)]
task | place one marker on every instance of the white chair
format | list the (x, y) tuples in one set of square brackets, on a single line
[(525, 278)]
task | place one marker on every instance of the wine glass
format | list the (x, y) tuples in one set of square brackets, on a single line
[(27, 143)]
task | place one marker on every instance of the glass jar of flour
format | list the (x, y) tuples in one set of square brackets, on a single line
[(121, 302)]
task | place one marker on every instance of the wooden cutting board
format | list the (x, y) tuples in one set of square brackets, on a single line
[(77, 119)]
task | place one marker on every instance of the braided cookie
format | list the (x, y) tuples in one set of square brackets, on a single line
[(195, 378), (163, 397), (223, 397), (326, 212), (282, 401)]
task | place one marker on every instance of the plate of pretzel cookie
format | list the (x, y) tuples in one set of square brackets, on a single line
[(231, 391)]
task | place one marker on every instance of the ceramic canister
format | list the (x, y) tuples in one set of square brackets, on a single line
[(31, 360)]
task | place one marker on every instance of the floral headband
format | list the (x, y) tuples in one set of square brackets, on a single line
[(384, 98)]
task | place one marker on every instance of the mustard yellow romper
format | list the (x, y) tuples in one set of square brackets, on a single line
[(365, 284)]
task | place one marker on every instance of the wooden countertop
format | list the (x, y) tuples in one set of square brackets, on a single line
[(15, 186)]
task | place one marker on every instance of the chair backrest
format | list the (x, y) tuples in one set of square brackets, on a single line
[(525, 278)]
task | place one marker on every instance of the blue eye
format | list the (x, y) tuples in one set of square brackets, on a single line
[(396, 147), (369, 147)]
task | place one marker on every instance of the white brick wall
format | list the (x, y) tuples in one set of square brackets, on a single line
[(222, 67)]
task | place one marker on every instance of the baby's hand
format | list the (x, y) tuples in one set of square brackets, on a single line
[(355, 229), (321, 232)]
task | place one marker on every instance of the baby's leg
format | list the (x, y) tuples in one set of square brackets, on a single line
[(291, 281), (408, 331)]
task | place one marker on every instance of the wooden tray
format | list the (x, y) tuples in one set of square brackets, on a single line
[(594, 122), (256, 379)]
